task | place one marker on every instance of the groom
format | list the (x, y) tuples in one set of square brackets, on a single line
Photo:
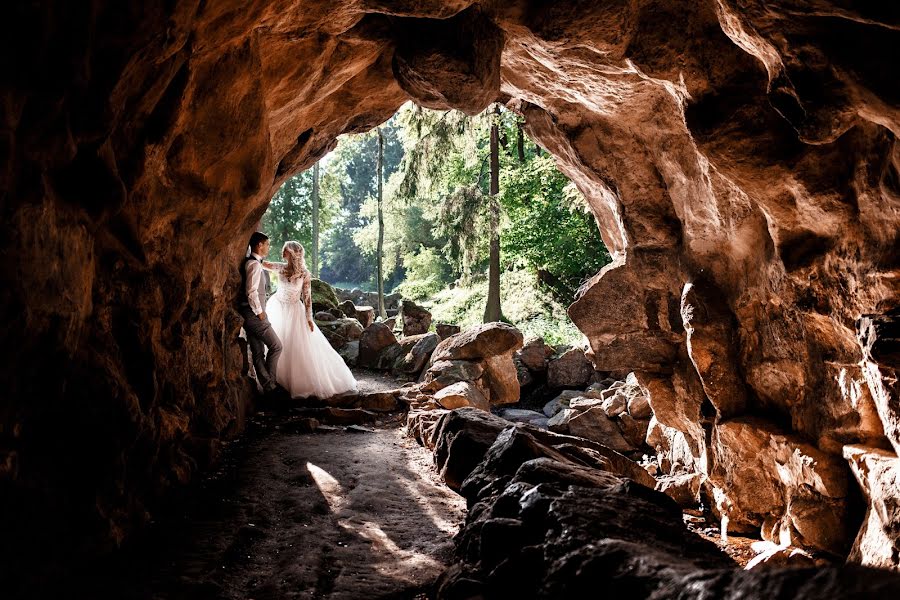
[(251, 303)]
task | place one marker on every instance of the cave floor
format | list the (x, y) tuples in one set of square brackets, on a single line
[(330, 514)]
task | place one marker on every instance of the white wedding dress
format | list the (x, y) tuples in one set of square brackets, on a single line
[(309, 366)]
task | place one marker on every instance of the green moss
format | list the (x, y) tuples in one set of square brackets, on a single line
[(323, 296)]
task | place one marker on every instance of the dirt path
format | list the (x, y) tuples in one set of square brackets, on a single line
[(330, 514)]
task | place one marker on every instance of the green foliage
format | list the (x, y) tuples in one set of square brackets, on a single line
[(352, 181), (545, 230), (289, 216), (525, 303), (437, 223), (426, 274)]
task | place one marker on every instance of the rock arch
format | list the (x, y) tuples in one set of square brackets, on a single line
[(740, 160)]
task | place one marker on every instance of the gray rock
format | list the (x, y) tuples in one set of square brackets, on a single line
[(560, 421), (350, 352), (519, 415)]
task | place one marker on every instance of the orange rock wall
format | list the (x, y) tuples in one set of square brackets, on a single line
[(739, 156)]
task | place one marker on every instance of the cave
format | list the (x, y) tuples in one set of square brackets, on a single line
[(739, 158)]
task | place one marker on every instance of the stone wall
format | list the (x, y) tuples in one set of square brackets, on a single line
[(740, 160)]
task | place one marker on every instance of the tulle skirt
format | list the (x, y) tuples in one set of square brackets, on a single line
[(308, 366)]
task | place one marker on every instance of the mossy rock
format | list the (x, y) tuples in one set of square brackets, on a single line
[(323, 296)]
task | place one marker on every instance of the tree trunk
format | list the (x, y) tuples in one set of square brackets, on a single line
[(379, 167), (315, 221), (492, 310), (520, 142)]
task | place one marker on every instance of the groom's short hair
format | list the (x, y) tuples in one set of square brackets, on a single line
[(257, 238)]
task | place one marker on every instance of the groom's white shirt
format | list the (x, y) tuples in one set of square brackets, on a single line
[(254, 272)]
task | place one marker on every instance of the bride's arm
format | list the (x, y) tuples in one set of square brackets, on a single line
[(307, 298), (273, 266)]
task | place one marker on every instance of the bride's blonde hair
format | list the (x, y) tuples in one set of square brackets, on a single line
[(296, 260)]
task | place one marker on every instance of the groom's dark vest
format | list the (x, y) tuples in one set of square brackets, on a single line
[(243, 302)]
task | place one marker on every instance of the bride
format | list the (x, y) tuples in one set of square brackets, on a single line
[(309, 366)]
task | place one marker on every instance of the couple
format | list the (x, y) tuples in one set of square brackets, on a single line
[(299, 358)]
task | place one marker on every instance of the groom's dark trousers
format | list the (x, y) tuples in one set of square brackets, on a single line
[(260, 336)]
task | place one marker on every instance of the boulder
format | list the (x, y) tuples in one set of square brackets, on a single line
[(373, 342), (562, 400), (570, 370), (445, 372), (492, 345), (615, 405), (415, 352), (445, 330), (323, 296), (633, 430), (593, 424), (462, 393), (683, 488), (639, 407), (535, 354), (481, 341), (461, 440), (324, 316), (559, 422), (416, 320), (340, 331), (350, 353), (348, 308), (519, 415), (365, 315)]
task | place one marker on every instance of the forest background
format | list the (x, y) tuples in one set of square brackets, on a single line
[(437, 212)]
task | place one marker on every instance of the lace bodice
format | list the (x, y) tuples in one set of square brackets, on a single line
[(290, 291), (295, 291)]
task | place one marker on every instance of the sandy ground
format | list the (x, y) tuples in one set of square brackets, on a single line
[(333, 514)]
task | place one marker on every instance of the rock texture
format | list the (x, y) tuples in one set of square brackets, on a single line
[(547, 522), (482, 354), (416, 320), (740, 159)]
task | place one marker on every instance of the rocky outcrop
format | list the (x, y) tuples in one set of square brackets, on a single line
[(378, 348), (481, 354), (323, 296), (445, 330), (739, 158), (415, 319), (546, 523), (571, 369), (878, 472), (340, 332)]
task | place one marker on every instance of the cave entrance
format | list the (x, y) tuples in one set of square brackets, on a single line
[(436, 214)]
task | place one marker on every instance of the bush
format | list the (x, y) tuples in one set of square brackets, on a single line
[(426, 274)]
